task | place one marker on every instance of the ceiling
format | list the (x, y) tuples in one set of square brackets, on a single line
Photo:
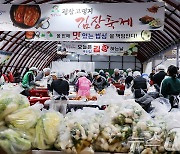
[(41, 54)]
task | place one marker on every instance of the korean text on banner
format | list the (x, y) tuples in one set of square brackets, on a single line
[(121, 49), (133, 36), (83, 17)]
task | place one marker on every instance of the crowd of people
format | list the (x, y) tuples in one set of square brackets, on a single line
[(167, 83)]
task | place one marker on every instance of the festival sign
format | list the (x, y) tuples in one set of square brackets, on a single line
[(89, 36), (83, 17), (121, 49)]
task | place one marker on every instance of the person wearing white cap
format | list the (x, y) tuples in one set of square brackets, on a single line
[(83, 85), (28, 80), (159, 76), (139, 86), (116, 75), (99, 82), (101, 72), (51, 78), (44, 73), (60, 90)]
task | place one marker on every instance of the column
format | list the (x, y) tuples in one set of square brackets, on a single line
[(177, 56)]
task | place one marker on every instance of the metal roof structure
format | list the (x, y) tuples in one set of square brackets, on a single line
[(41, 54)]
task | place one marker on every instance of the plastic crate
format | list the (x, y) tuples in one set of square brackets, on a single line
[(120, 86), (39, 92), (40, 100)]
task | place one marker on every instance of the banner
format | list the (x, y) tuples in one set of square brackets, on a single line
[(4, 57), (121, 49), (83, 17), (89, 36)]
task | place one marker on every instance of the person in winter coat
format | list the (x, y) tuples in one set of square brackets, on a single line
[(10, 76), (159, 76), (83, 85), (170, 87), (60, 87), (60, 90), (17, 76), (116, 75), (139, 86), (101, 72), (128, 80), (99, 82), (28, 81)]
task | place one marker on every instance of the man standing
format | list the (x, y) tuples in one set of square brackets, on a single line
[(60, 89), (139, 85), (160, 75)]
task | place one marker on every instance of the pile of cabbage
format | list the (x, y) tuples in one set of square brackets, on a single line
[(122, 127), (24, 127)]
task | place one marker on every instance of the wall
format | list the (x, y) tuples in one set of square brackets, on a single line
[(109, 62)]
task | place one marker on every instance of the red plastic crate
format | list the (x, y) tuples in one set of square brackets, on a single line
[(120, 86), (40, 100), (39, 92)]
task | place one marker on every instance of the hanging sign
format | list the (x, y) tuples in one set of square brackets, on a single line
[(83, 17), (4, 57), (89, 36), (122, 49)]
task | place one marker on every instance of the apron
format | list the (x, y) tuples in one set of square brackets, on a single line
[(59, 102)]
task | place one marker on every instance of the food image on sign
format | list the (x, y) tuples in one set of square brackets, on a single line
[(156, 23), (146, 19), (154, 8), (132, 50), (29, 34), (25, 16), (19, 14)]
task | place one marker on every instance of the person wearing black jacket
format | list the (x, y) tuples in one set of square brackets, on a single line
[(128, 80), (139, 85), (60, 89), (158, 77), (99, 82), (101, 72)]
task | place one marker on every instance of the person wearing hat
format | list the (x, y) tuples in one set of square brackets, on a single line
[(116, 75), (60, 90), (170, 87), (101, 72), (99, 82), (28, 81), (60, 86), (44, 73), (159, 76), (139, 86), (51, 78), (83, 85)]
